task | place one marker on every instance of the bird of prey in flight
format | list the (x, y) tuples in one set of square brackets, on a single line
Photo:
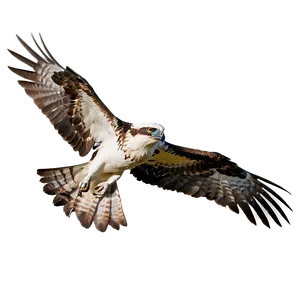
[(90, 189)]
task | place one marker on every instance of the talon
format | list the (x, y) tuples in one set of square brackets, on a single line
[(70, 215), (96, 145), (101, 188), (83, 187), (79, 193)]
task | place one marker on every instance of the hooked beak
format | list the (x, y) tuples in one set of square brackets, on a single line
[(159, 135)]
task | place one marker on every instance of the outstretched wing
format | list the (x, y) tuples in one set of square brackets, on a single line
[(67, 99), (211, 175)]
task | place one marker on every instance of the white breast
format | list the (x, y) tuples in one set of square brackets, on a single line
[(117, 161)]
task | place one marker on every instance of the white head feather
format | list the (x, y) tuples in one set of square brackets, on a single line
[(144, 138), (148, 124)]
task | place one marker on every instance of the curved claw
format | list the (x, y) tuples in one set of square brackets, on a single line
[(70, 215), (84, 186), (101, 188)]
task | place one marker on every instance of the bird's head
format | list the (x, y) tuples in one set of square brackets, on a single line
[(148, 134)]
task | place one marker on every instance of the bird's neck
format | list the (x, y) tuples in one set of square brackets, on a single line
[(139, 147)]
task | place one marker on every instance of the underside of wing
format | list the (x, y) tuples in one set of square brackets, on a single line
[(67, 99), (214, 176)]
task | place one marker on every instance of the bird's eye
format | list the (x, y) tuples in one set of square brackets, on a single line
[(150, 129)]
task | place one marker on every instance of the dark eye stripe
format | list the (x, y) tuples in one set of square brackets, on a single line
[(143, 130)]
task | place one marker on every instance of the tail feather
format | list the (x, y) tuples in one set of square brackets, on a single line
[(91, 206), (101, 216), (61, 199), (60, 180), (69, 207), (85, 208), (117, 216)]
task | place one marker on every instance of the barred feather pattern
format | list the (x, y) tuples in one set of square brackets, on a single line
[(117, 216), (91, 206), (67, 100), (61, 180), (212, 175), (228, 191)]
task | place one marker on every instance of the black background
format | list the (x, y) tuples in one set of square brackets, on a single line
[(215, 85)]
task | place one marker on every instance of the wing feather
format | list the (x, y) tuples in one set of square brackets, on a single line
[(214, 176), (67, 99)]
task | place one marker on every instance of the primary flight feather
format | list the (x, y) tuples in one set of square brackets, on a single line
[(90, 189)]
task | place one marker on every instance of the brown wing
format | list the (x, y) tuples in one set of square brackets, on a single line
[(211, 175), (67, 99)]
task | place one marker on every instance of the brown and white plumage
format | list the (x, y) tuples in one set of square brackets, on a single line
[(107, 145), (81, 119), (110, 147), (67, 99), (211, 175), (63, 183)]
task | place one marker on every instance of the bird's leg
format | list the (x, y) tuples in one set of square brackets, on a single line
[(94, 166), (102, 187)]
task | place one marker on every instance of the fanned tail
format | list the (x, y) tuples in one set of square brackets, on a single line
[(110, 210), (103, 212), (64, 182), (61, 180)]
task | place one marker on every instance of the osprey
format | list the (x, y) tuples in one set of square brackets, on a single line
[(90, 189)]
